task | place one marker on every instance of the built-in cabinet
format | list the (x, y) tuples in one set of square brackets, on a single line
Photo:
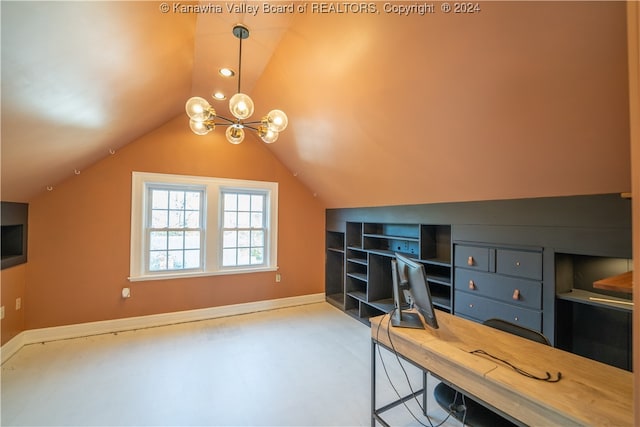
[(370, 247), (530, 261), (502, 282)]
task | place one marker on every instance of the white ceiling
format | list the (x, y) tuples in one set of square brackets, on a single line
[(522, 99)]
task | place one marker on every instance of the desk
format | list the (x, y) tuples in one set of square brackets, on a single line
[(589, 393)]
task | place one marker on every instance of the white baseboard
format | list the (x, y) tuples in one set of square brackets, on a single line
[(130, 323)]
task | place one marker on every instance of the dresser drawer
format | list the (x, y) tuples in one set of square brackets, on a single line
[(481, 309), (519, 292), (472, 257), (519, 263)]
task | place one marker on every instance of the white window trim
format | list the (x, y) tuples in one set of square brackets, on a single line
[(212, 224)]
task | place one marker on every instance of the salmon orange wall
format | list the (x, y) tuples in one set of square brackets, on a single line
[(13, 286), (79, 234)]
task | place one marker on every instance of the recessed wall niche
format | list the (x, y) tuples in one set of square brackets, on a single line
[(13, 219)]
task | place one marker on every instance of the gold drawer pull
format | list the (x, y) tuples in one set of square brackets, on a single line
[(516, 295), (517, 263), (470, 261), (472, 285)]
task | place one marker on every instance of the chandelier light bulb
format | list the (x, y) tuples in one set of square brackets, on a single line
[(267, 135), (201, 128), (198, 109), (241, 106), (235, 134), (277, 120)]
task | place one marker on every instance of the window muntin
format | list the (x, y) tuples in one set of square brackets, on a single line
[(174, 229), (243, 228)]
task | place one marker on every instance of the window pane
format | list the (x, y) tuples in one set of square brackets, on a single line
[(244, 220), (243, 256), (192, 240), (176, 219), (257, 256), (174, 260), (159, 219), (243, 239), (230, 220), (257, 238), (256, 220), (192, 200), (158, 240), (257, 202), (228, 257), (157, 260), (229, 239), (160, 199), (230, 202), (192, 259), (192, 219), (244, 202), (176, 240), (176, 200)]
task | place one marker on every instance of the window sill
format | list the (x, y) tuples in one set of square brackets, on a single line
[(169, 276)]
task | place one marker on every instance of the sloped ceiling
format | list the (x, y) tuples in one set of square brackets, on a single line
[(520, 99)]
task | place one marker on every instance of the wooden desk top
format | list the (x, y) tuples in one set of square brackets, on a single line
[(620, 283), (589, 393)]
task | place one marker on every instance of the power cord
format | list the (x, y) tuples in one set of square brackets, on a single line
[(548, 378), (395, 353)]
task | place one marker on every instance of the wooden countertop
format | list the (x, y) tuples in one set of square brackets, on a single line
[(620, 283)]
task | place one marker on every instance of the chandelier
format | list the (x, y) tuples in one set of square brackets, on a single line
[(204, 118)]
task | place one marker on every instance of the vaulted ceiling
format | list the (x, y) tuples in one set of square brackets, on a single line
[(519, 99)]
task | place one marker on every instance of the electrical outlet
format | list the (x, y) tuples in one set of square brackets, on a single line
[(278, 277), (18, 303), (2, 312)]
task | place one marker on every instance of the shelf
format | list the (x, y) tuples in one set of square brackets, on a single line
[(357, 261), (619, 283), (359, 276), (339, 250), (360, 296), (436, 261), (384, 305), (392, 254), (382, 252), (592, 298), (442, 280), (388, 237), (442, 302)]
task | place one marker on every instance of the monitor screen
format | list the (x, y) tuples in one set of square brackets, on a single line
[(412, 274)]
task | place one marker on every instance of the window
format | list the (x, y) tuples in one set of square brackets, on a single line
[(243, 229), (184, 226), (173, 229)]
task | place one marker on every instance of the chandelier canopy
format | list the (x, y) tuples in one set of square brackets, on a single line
[(203, 117)]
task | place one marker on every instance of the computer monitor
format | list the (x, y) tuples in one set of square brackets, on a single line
[(410, 279)]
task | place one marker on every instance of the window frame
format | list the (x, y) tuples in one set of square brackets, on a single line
[(148, 228), (265, 222), (212, 222)]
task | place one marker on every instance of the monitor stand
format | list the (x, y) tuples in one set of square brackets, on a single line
[(402, 319)]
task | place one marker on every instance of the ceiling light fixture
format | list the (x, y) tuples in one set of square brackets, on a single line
[(226, 72), (203, 116), (218, 96)]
